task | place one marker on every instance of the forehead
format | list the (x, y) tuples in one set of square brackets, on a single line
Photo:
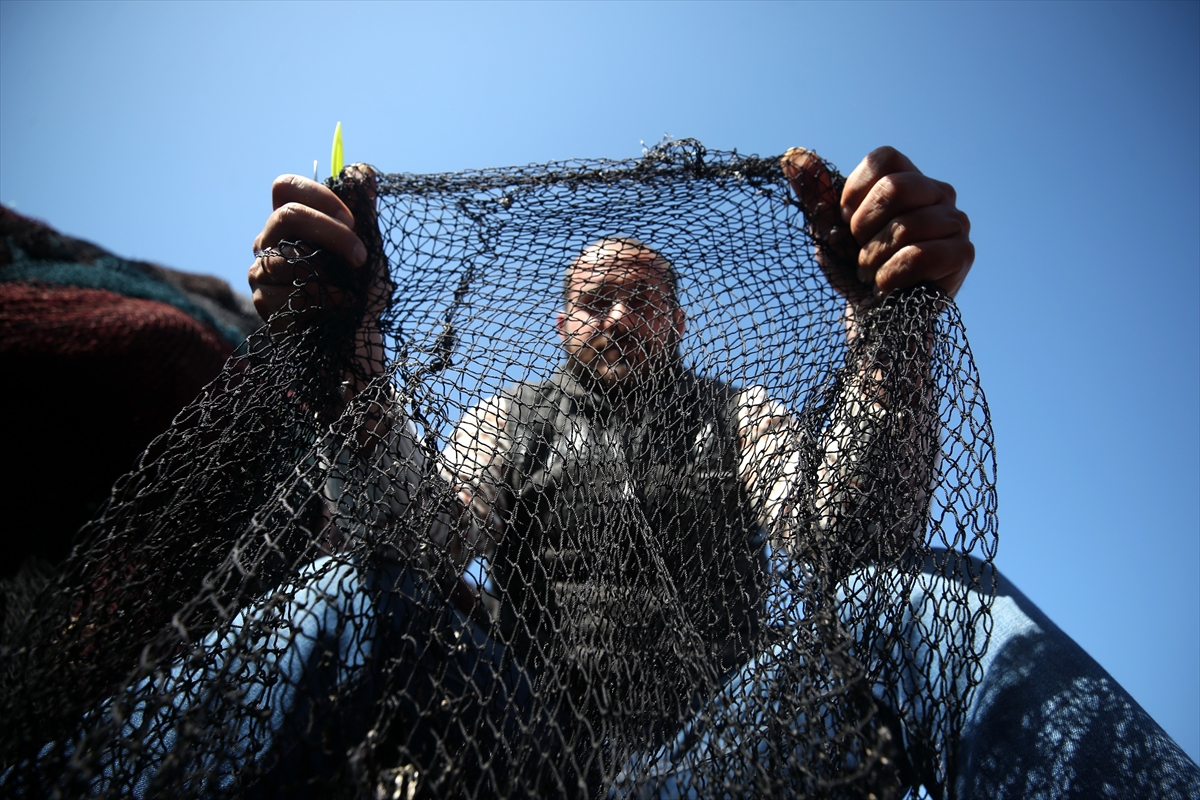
[(615, 268)]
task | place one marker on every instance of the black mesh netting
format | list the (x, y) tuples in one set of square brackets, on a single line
[(404, 546)]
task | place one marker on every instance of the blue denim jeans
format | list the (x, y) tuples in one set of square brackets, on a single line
[(1046, 721), (295, 709)]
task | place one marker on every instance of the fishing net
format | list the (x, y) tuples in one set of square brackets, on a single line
[(404, 546)]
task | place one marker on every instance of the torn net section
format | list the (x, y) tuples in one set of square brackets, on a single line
[(458, 567)]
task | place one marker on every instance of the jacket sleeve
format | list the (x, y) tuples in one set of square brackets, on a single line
[(850, 476), (474, 463)]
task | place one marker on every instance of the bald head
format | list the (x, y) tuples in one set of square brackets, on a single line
[(622, 252)]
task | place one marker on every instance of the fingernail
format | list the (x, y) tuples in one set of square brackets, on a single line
[(847, 213), (344, 217), (360, 254)]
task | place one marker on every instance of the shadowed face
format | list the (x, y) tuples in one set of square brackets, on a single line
[(620, 320)]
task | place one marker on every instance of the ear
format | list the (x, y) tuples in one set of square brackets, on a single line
[(679, 318), (560, 322)]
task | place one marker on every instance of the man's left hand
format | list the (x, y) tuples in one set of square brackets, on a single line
[(905, 226)]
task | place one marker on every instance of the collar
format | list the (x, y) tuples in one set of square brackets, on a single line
[(662, 390)]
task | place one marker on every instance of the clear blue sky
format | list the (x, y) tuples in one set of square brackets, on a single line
[(1071, 131)]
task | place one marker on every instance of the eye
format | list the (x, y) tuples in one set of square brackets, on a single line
[(596, 304), (648, 304)]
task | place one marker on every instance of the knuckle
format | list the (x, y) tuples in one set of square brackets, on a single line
[(948, 192), (277, 226), (915, 262), (912, 257), (282, 188), (871, 254), (884, 155), (290, 214), (917, 189), (288, 221), (883, 193)]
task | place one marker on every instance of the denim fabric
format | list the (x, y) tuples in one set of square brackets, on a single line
[(293, 712), (1046, 721)]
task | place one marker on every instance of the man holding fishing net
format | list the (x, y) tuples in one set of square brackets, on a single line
[(511, 459), (754, 575)]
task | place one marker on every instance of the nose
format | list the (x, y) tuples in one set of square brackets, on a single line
[(618, 315)]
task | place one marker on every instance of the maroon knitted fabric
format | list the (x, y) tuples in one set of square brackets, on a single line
[(92, 378)]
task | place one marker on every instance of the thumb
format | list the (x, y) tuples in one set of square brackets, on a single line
[(818, 187), (357, 186)]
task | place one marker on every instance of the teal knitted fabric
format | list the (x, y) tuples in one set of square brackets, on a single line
[(115, 275)]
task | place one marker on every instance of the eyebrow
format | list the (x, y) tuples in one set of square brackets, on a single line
[(636, 290)]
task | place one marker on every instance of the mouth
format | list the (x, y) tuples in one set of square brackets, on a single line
[(623, 354), (609, 361)]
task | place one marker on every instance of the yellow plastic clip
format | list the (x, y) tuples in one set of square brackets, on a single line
[(335, 161)]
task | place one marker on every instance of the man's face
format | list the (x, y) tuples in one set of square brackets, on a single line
[(620, 320)]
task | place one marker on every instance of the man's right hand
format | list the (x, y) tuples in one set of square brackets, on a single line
[(304, 211)]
